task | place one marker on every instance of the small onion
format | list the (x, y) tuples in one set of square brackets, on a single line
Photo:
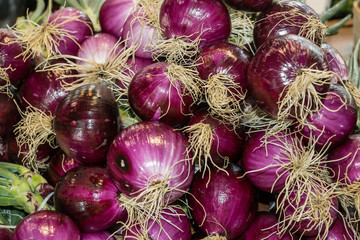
[(9, 114), (223, 203), (89, 197), (46, 225)]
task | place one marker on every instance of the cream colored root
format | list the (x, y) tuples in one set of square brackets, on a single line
[(215, 237), (354, 91), (151, 10), (301, 96), (35, 128)]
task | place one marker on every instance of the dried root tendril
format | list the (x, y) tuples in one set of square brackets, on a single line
[(34, 129), (151, 10), (224, 98), (300, 98), (354, 91), (349, 197), (4, 77), (38, 39)]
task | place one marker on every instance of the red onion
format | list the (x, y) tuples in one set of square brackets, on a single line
[(265, 226), (89, 197), (213, 141), (164, 92), (97, 236), (334, 122), (223, 66), (249, 5), (149, 163), (5, 234), (85, 123), (336, 62), (13, 68), (288, 17), (113, 14), (4, 155), (284, 73), (173, 224), (136, 31), (223, 203), (46, 225), (9, 114), (59, 164)]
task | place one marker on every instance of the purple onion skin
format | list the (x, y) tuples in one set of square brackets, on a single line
[(230, 202), (59, 164), (195, 16), (344, 160), (225, 57), (152, 96), (113, 15), (336, 62), (226, 142), (89, 197), (249, 5), (5, 234), (173, 225), (9, 114), (138, 33), (303, 227), (264, 226), (80, 28), (4, 155), (147, 151), (97, 236), (334, 122), (43, 90), (277, 63), (263, 160), (46, 225), (9, 56), (85, 123), (271, 24)]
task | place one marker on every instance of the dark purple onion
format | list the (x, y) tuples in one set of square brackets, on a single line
[(147, 154), (5, 234), (344, 160), (59, 164), (227, 142), (89, 197), (152, 96), (336, 62), (229, 201), (10, 52), (277, 63), (113, 15), (9, 114), (85, 123), (249, 5), (173, 224), (265, 226), (286, 17), (46, 225), (334, 122), (76, 23), (97, 236), (208, 19)]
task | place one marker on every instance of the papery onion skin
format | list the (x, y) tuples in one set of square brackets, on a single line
[(46, 225), (334, 122), (80, 28), (148, 152), (174, 224), (85, 123), (59, 164), (89, 197), (206, 18), (97, 236), (225, 58), (229, 200), (9, 114), (227, 141), (249, 5), (10, 57), (265, 226), (113, 15), (336, 62), (151, 95), (277, 63), (272, 23), (344, 160), (261, 163)]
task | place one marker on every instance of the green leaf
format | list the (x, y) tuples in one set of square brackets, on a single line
[(12, 215)]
